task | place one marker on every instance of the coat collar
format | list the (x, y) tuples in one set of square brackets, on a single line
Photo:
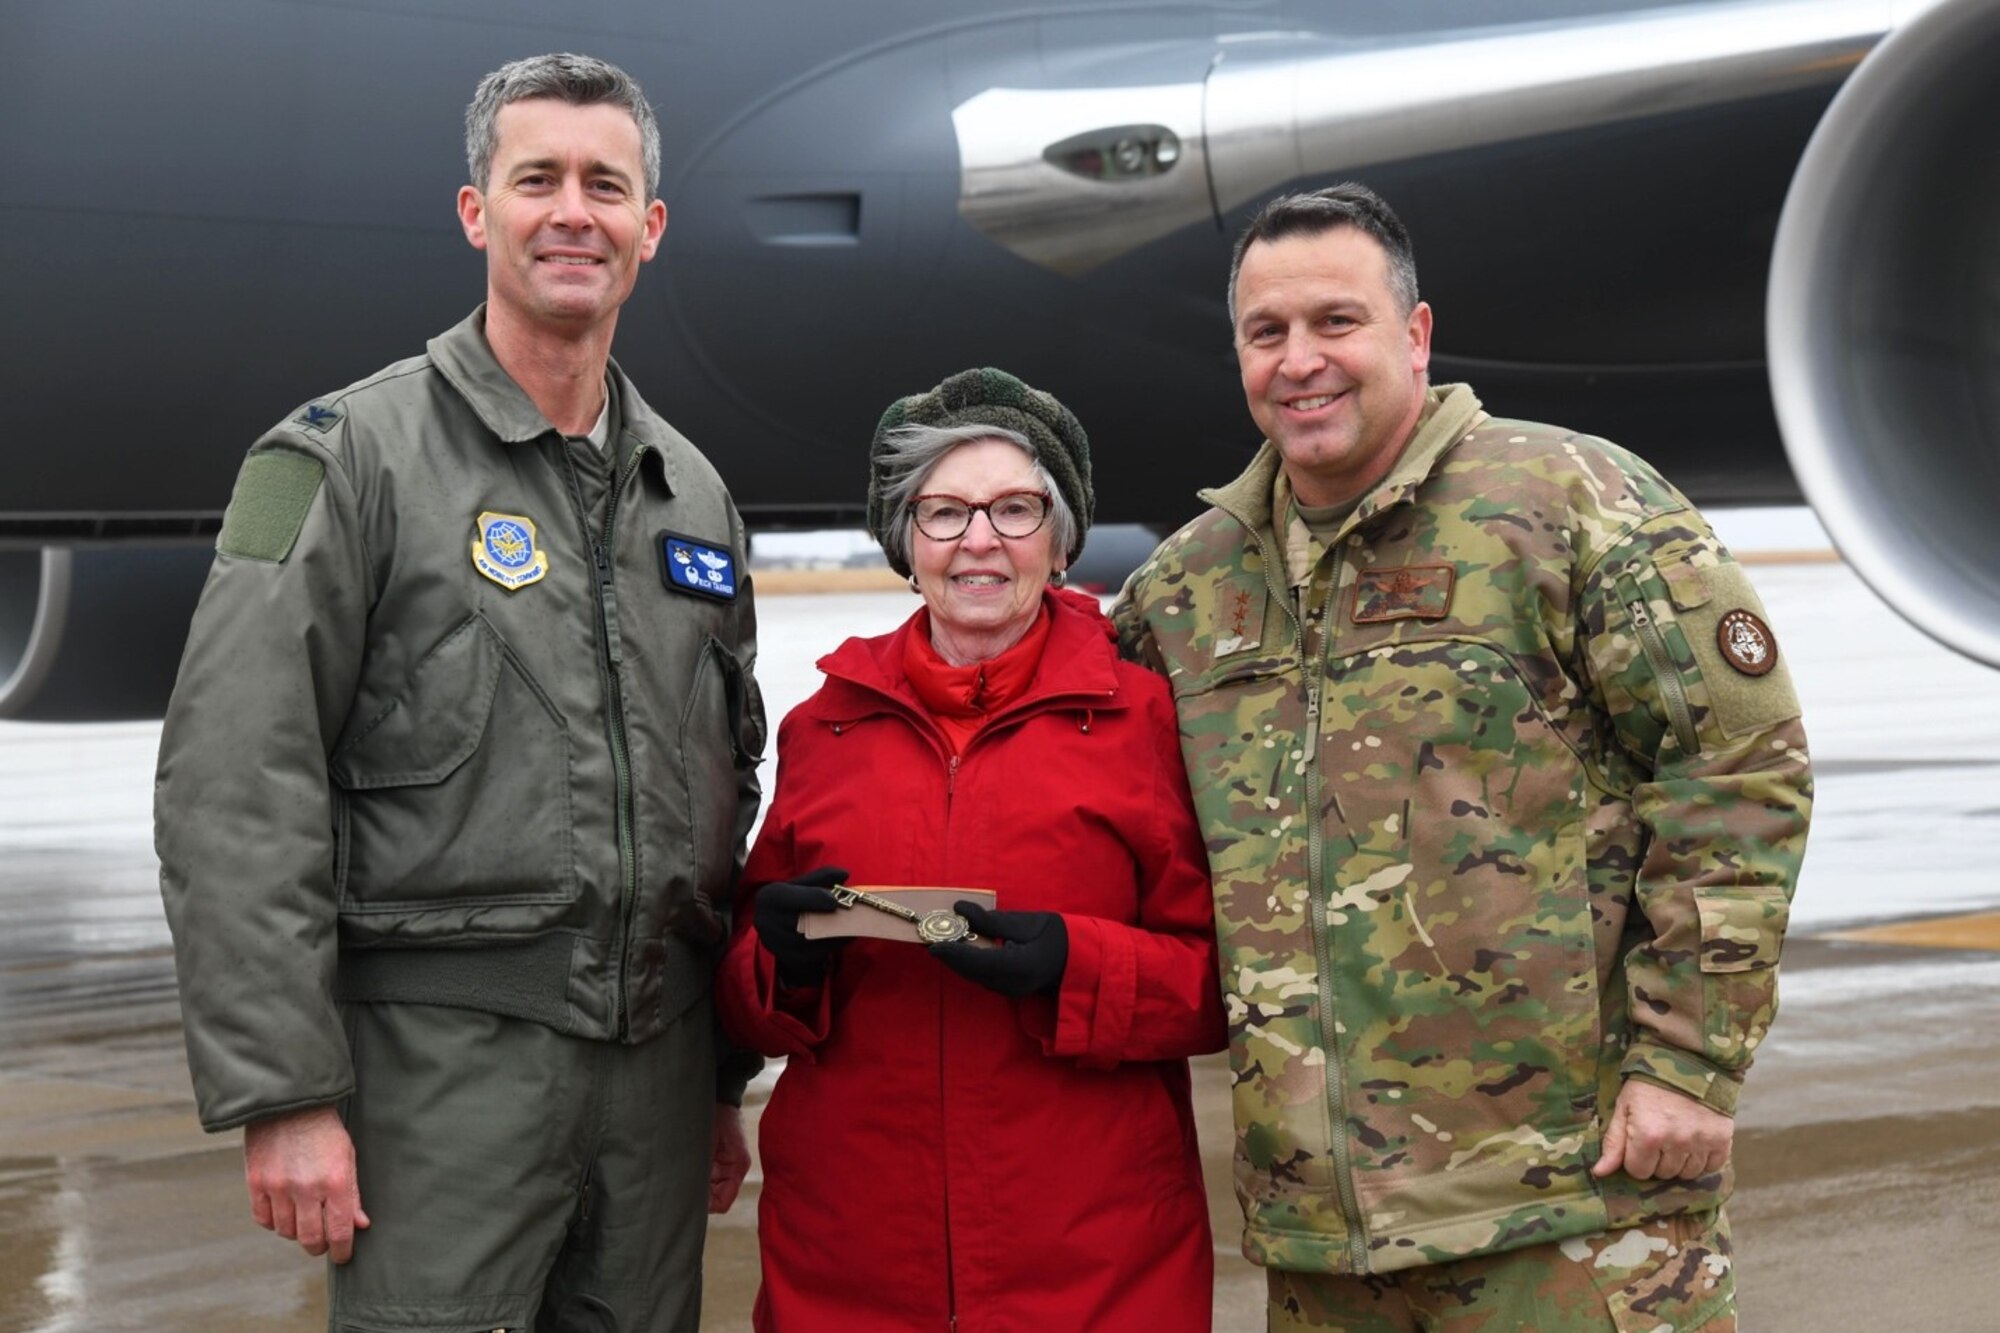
[(1451, 412), (1079, 664), (463, 357)]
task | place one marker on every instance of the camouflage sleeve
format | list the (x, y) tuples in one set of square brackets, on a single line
[(1707, 726), (243, 807), (1128, 617)]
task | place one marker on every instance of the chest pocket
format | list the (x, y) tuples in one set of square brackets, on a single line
[(456, 797)]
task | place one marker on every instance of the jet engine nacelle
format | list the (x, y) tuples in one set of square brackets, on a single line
[(1884, 323), (94, 634)]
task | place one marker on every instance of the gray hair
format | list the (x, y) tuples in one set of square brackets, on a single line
[(1345, 205), (915, 451), (577, 80)]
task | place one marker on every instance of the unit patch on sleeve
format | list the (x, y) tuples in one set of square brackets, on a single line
[(1412, 592), (1746, 643), (690, 565), (505, 550)]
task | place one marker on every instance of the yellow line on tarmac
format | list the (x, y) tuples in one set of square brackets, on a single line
[(1978, 931), (1820, 556)]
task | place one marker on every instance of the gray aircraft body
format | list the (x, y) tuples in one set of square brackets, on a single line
[(223, 207)]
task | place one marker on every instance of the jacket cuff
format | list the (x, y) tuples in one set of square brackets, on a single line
[(800, 1016), (1094, 1003), (734, 1068), (1687, 1074), (241, 1119)]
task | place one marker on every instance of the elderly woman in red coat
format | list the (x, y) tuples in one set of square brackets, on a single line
[(966, 1136)]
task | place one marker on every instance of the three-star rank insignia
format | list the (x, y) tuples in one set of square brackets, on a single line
[(1746, 643), (1410, 592), (505, 551), (688, 564)]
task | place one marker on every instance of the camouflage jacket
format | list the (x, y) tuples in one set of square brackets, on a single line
[(1505, 793)]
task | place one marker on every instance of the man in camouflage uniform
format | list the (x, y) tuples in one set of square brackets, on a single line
[(1505, 792)]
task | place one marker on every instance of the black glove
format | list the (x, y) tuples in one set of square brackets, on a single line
[(1034, 950), (801, 962)]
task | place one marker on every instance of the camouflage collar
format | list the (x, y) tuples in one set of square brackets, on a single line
[(463, 357), (1449, 412)]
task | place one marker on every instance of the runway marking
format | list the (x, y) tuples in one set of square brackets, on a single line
[(1981, 930), (1816, 556)]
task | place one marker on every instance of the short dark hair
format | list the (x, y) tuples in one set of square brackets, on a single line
[(1347, 204), (577, 80)]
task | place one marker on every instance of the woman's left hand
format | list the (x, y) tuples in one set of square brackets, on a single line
[(1033, 950)]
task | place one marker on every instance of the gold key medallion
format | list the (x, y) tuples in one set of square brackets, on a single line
[(942, 927), (938, 926)]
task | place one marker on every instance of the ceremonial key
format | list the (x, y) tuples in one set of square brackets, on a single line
[(936, 927)]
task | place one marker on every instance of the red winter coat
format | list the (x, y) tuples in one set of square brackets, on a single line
[(934, 1149)]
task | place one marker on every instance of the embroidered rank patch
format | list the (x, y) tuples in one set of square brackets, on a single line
[(505, 551), (1746, 643), (1239, 622), (318, 417), (1412, 592), (689, 565)]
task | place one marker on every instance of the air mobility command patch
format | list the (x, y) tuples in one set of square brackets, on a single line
[(505, 551), (689, 565), (1413, 592)]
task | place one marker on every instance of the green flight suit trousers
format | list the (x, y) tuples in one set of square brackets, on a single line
[(516, 1178)]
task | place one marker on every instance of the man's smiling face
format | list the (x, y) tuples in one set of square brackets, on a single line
[(563, 217), (1333, 370)]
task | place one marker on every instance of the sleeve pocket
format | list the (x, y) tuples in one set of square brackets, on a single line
[(1741, 932)]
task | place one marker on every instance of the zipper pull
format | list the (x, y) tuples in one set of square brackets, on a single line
[(607, 598), (1309, 752)]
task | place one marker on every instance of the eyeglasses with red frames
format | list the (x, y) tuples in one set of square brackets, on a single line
[(944, 518)]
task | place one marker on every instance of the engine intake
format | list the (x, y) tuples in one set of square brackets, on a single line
[(1884, 323)]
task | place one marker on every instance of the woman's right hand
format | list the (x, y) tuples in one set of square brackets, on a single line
[(801, 961)]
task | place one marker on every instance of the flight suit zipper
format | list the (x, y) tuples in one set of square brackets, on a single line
[(1673, 690), (609, 654)]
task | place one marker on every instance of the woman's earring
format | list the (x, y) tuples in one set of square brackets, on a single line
[(913, 586), (1058, 577)]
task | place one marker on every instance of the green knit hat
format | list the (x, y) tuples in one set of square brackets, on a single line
[(988, 397)]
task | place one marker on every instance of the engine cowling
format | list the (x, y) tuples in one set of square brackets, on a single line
[(1883, 323)]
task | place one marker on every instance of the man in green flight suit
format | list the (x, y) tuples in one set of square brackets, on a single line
[(1505, 792), (457, 773)]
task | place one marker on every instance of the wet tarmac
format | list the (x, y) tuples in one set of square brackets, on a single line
[(1868, 1145)]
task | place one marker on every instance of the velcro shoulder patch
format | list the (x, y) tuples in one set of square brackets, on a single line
[(1749, 684), (274, 492)]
